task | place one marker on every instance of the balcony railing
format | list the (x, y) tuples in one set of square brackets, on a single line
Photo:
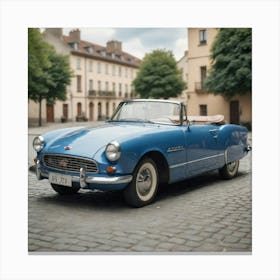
[(101, 93), (200, 87)]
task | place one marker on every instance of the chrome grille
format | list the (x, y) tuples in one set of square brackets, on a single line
[(69, 163)]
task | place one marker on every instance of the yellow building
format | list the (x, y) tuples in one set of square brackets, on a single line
[(199, 102), (102, 78)]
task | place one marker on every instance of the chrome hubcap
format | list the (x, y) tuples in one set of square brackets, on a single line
[(232, 166), (144, 182)]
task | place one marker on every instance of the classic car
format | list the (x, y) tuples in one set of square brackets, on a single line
[(145, 143)]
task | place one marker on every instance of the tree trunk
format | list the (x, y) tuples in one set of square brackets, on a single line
[(40, 111)]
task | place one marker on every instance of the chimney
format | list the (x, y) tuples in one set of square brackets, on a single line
[(114, 45), (75, 34), (57, 32)]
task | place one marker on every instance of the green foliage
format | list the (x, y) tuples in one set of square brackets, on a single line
[(49, 73), (60, 76), (158, 76), (231, 71), (38, 63)]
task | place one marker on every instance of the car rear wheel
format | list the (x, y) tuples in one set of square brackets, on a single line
[(63, 190), (143, 187), (229, 170)]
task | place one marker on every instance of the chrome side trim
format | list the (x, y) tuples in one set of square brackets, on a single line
[(196, 160)]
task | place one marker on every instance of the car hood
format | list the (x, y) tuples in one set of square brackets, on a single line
[(86, 141)]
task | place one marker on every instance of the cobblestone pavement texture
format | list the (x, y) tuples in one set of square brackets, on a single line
[(203, 215)]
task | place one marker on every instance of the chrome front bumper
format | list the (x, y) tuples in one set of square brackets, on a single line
[(84, 180)]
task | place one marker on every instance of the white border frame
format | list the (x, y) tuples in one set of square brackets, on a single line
[(17, 16)]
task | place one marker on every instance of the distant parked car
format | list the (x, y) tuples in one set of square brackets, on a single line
[(145, 143)]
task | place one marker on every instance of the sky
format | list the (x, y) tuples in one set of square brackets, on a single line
[(138, 41)]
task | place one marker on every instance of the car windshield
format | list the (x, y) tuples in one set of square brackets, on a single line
[(148, 111)]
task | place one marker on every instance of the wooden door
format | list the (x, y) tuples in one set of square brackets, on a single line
[(91, 111), (79, 109), (65, 111), (50, 113), (234, 112)]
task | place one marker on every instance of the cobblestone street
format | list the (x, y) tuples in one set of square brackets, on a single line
[(204, 214)]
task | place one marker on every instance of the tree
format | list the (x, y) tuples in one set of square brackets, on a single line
[(158, 76), (48, 72), (231, 71)]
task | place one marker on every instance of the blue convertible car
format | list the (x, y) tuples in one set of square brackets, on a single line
[(145, 143)]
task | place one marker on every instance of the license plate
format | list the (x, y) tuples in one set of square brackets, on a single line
[(60, 179)]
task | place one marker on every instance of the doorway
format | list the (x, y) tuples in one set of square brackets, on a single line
[(50, 113), (234, 112), (91, 106)]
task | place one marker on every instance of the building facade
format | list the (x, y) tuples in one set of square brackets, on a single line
[(102, 78), (199, 102), (182, 65)]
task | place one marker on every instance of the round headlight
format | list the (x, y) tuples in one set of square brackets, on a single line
[(113, 151), (38, 143)]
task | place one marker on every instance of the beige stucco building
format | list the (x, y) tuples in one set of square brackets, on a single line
[(199, 102), (102, 78), (182, 65)]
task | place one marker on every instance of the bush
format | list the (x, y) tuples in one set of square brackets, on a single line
[(63, 119)]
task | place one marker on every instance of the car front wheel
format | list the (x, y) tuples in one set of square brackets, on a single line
[(63, 190), (143, 187), (229, 170)]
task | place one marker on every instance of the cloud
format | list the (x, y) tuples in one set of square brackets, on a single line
[(181, 46), (138, 41)]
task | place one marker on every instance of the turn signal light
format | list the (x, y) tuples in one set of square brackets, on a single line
[(111, 169), (35, 160)]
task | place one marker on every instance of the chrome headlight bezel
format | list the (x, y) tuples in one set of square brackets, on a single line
[(113, 151), (38, 143)]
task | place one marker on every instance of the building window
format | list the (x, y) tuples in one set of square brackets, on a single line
[(126, 91), (126, 72), (203, 37), (113, 70), (203, 74), (79, 83), (120, 90), (74, 45), (78, 63), (90, 84), (114, 87), (107, 86), (106, 69), (131, 73), (203, 110), (99, 85), (90, 66), (98, 67), (120, 71)]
